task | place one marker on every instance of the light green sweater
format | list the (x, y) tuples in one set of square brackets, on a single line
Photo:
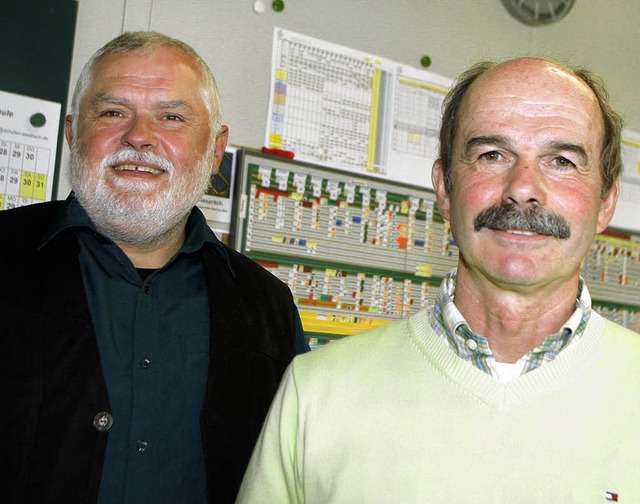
[(394, 416)]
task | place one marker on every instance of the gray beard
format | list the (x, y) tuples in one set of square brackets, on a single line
[(130, 213)]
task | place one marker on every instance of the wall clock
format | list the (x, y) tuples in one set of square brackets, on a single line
[(538, 12)]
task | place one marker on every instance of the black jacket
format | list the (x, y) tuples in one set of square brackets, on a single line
[(52, 388)]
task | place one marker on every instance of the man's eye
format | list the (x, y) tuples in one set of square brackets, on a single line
[(491, 156), (563, 162), (111, 113), (172, 117)]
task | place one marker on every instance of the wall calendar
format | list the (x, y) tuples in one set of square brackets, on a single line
[(28, 141)]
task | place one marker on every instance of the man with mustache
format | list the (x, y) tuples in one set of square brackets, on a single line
[(139, 355), (510, 388)]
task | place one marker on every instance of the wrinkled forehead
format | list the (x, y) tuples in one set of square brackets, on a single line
[(535, 82), (150, 61), (533, 90), (158, 69)]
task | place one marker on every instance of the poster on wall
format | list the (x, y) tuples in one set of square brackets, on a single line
[(28, 143), (217, 201), (628, 209), (346, 109)]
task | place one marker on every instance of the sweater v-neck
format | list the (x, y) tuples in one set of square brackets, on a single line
[(519, 390)]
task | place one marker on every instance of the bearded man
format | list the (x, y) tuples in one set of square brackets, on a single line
[(139, 354)]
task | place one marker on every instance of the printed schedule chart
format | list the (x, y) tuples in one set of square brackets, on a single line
[(28, 137), (353, 111)]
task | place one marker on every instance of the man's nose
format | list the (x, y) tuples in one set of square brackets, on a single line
[(526, 184), (140, 134)]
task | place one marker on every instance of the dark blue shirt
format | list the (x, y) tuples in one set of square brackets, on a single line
[(153, 336)]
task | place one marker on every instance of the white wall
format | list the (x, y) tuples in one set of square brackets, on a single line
[(603, 35)]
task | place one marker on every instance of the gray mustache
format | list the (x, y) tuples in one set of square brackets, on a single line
[(145, 157), (534, 219)]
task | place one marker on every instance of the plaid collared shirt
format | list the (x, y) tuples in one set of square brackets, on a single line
[(450, 325)]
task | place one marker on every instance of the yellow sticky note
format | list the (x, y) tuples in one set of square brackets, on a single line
[(424, 270), (415, 138), (275, 140)]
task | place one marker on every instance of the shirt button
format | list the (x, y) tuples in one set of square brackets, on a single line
[(142, 446), (100, 239), (471, 344), (145, 363), (102, 421), (147, 289)]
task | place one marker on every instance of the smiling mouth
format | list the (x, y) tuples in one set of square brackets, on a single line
[(138, 168), (520, 232)]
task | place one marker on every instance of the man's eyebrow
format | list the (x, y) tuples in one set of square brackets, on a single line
[(102, 98), (571, 147), (501, 141), (479, 141), (173, 104)]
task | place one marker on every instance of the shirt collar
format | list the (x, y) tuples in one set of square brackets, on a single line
[(73, 217), (70, 216), (449, 323)]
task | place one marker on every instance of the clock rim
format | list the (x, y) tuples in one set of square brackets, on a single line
[(524, 13)]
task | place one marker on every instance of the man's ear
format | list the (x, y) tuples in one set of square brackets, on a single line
[(221, 145), (68, 129), (608, 207), (440, 188)]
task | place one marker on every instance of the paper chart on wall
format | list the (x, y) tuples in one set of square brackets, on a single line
[(28, 142), (346, 109), (628, 209)]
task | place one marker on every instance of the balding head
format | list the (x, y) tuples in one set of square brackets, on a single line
[(535, 78)]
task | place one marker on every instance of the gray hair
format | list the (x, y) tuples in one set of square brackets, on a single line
[(141, 41)]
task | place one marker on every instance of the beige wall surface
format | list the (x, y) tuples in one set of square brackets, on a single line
[(602, 35)]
